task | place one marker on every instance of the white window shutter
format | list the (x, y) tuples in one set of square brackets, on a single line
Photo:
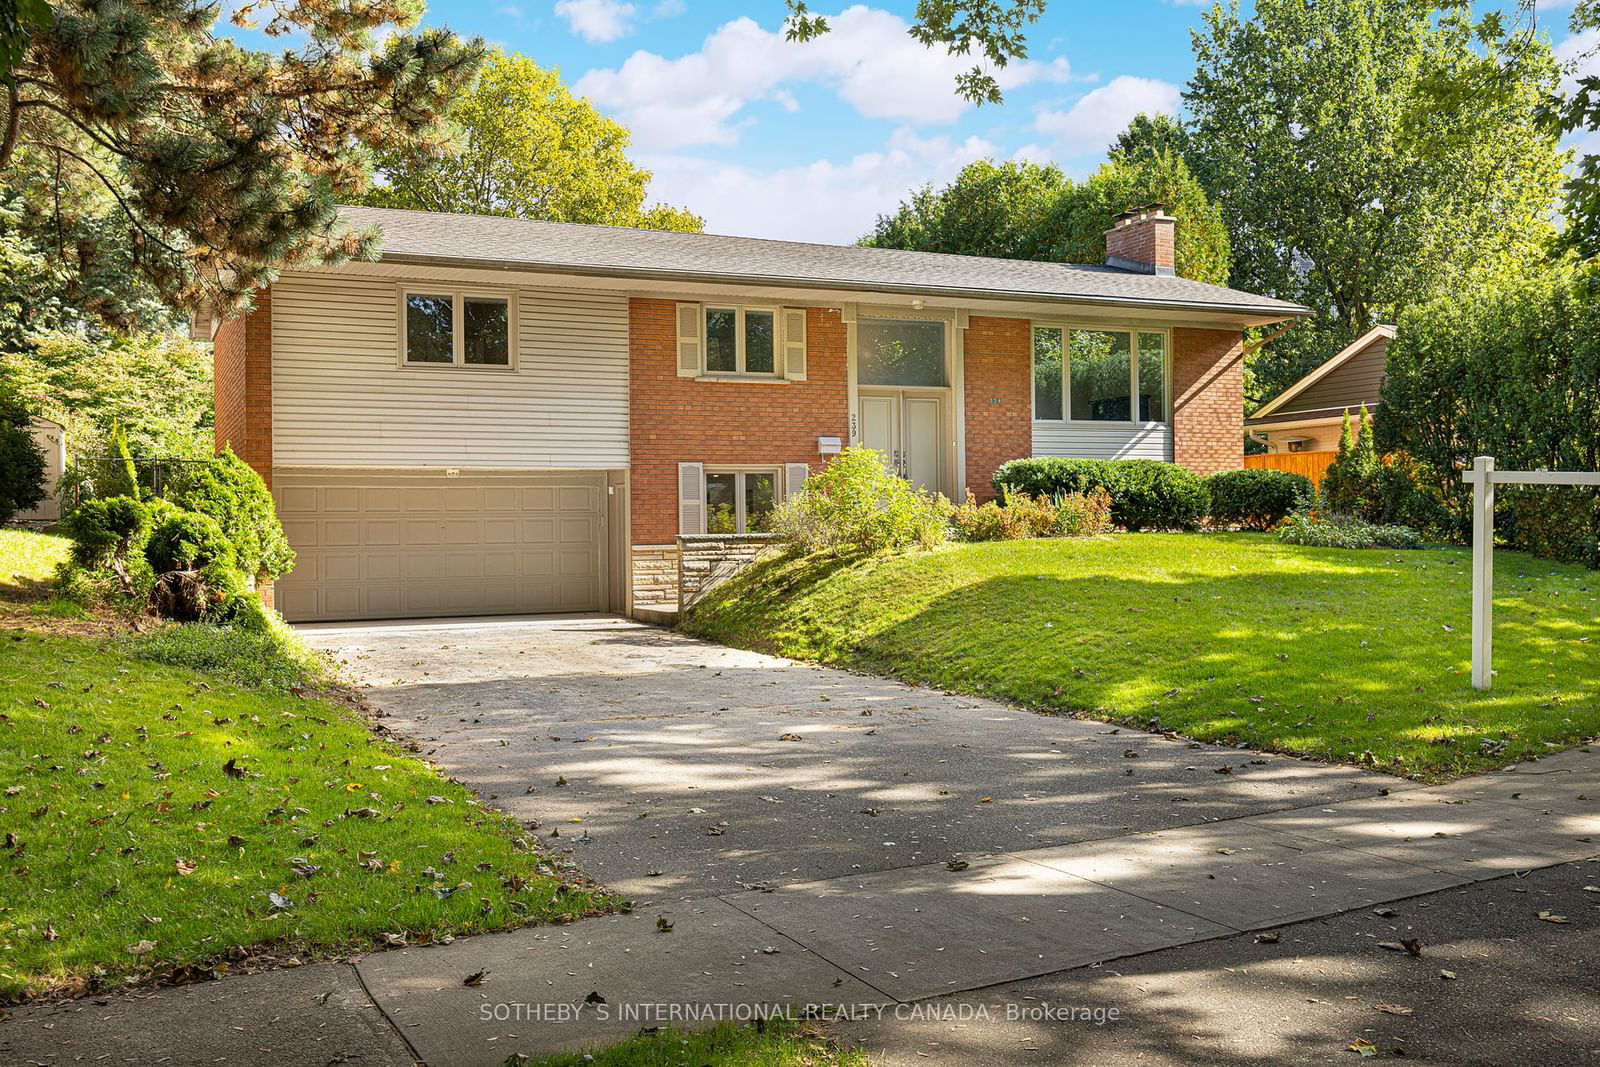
[(794, 477), (691, 498), (794, 344), (690, 328)]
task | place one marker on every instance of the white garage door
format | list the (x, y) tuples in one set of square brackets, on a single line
[(375, 545)]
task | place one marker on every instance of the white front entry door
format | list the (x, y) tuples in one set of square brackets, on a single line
[(907, 427)]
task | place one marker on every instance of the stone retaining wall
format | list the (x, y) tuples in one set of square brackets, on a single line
[(706, 560)]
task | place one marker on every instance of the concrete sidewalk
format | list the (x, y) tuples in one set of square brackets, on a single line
[(882, 937)]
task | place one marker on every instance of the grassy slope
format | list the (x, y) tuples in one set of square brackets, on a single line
[(1322, 652), (778, 1044), (113, 776)]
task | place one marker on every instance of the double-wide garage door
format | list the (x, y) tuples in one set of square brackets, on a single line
[(378, 545)]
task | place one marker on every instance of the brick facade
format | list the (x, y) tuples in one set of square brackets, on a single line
[(242, 362), (676, 420), (1208, 399), (998, 397)]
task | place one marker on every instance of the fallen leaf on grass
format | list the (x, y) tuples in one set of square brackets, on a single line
[(279, 902), (476, 977), (50, 933), (232, 768), (140, 948), (185, 867), (1365, 1048)]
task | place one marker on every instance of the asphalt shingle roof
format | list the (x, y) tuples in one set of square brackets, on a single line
[(479, 240)]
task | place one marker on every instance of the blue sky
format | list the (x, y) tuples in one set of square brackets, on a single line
[(811, 142)]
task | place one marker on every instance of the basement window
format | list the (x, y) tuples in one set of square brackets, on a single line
[(443, 328), (740, 502)]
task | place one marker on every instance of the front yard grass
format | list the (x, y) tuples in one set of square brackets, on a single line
[(778, 1043), (161, 823), (1346, 656)]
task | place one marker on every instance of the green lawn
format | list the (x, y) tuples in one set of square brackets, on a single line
[(1328, 653), (777, 1044), (155, 818)]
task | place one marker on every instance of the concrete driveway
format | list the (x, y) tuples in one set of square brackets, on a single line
[(698, 770)]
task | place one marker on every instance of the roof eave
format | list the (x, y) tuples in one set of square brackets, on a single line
[(1261, 314)]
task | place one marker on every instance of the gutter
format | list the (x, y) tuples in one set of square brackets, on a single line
[(1281, 310)]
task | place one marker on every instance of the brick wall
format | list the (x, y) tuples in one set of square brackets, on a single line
[(1208, 399), (998, 394), (242, 362), (676, 420)]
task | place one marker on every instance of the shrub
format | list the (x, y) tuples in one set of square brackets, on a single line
[(245, 611), (1350, 486), (856, 504), (1257, 499), (1336, 531), (1145, 494), (107, 532), (1555, 522), (1083, 514), (21, 464), (230, 491), (1015, 518), (188, 541)]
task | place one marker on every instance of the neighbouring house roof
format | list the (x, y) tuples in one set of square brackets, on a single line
[(421, 237), (1345, 381)]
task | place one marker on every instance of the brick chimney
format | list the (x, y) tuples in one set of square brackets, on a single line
[(1142, 240)]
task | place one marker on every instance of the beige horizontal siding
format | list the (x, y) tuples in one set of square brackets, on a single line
[(341, 399), (1354, 383), (1103, 441)]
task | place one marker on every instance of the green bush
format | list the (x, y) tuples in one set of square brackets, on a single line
[(1083, 514), (1350, 486), (857, 504), (1555, 522), (244, 611), (186, 541), (230, 491), (107, 532), (21, 466), (1146, 494), (1511, 371), (1339, 531), (1257, 499)]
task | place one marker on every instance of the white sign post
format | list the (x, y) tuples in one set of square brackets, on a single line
[(1483, 478)]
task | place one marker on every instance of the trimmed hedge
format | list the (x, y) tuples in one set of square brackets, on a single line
[(1257, 499), (1146, 494)]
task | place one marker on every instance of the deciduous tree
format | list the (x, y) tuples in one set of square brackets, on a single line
[(522, 145)]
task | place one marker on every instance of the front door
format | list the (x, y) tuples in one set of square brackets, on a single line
[(907, 428)]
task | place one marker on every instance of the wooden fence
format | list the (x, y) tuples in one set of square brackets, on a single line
[(1310, 464)]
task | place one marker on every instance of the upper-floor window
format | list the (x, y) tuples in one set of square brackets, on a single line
[(1099, 375), (741, 340), (444, 328)]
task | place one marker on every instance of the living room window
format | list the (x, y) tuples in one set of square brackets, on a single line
[(441, 327), (740, 502), (1098, 375)]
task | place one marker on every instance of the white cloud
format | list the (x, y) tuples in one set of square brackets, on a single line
[(668, 9), (1579, 56), (1096, 119), (825, 201), (868, 59), (597, 21)]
